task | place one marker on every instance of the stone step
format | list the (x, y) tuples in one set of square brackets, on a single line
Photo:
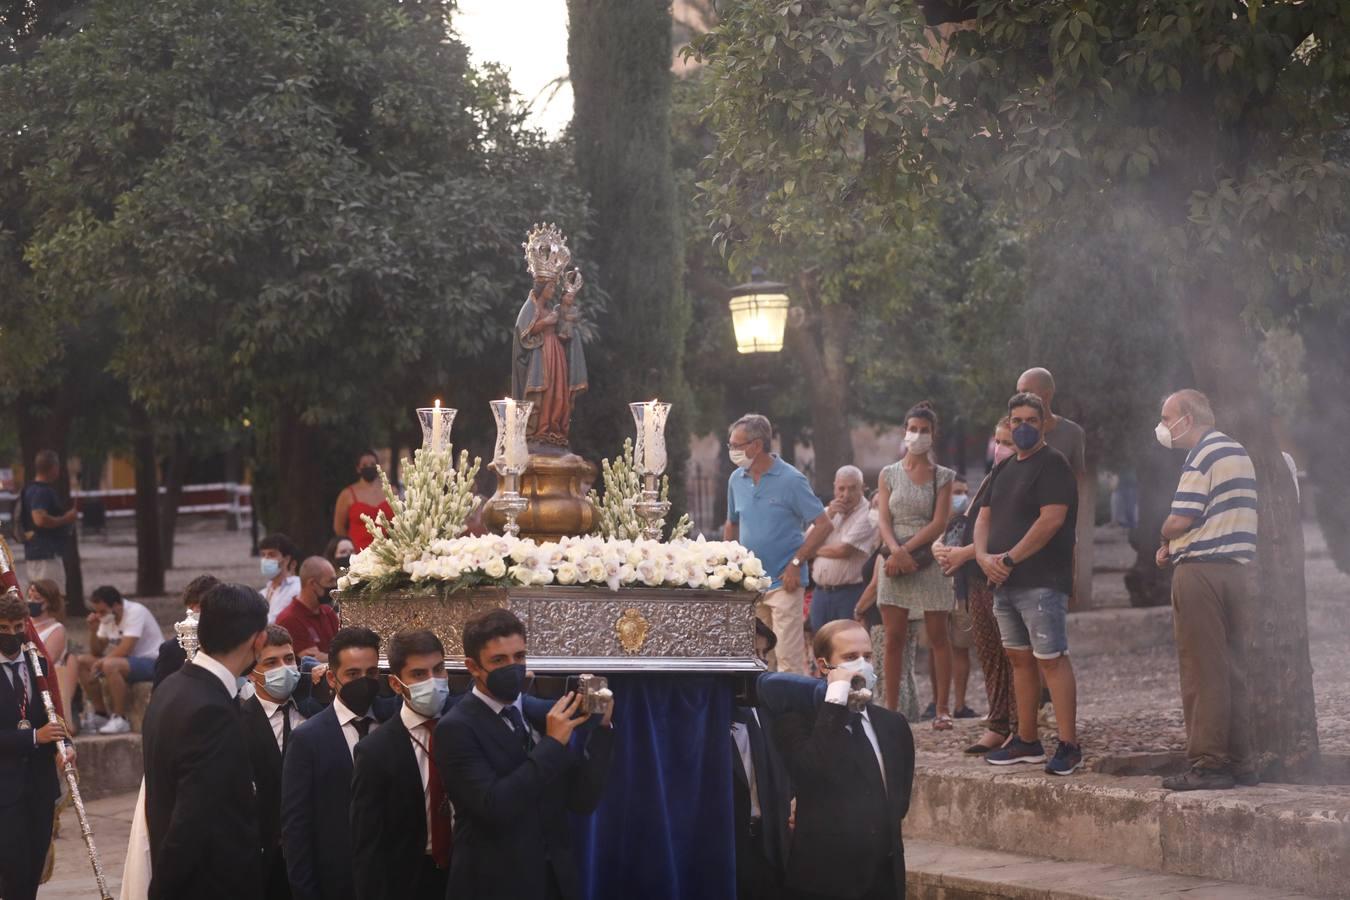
[(1286, 837), (941, 872), (108, 764)]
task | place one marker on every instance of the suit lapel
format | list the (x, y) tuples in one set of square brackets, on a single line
[(497, 729), (888, 739), (337, 739), (257, 720)]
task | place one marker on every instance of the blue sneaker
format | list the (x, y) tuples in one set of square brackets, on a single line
[(1068, 757), (1016, 751)]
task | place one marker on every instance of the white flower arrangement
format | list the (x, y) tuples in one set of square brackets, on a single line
[(438, 498), (450, 564), (615, 516)]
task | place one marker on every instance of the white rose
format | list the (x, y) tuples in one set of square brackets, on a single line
[(495, 567), (596, 571), (627, 574), (567, 573), (716, 582), (541, 576), (752, 567)]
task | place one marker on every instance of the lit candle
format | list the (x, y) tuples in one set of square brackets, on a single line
[(509, 424), (436, 426), (649, 437)]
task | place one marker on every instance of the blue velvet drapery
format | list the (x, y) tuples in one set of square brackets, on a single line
[(664, 829)]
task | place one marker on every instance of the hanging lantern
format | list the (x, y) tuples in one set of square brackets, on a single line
[(759, 312)]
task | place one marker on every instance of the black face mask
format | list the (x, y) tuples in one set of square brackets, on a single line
[(326, 598), (35, 610), (342, 562), (507, 682), (358, 694), (10, 644), (369, 473)]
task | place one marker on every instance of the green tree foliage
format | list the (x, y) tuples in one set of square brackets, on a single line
[(1197, 136), (619, 55), (305, 210)]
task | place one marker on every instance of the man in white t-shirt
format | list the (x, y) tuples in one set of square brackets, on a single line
[(123, 644), (278, 559)]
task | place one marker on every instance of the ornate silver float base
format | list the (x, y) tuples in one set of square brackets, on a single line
[(574, 629)]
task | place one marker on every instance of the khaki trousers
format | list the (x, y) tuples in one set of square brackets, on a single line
[(1211, 620), (781, 610)]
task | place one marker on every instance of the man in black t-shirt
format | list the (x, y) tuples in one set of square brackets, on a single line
[(1024, 539), (44, 525)]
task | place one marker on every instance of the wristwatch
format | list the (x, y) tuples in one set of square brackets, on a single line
[(1007, 560), (796, 561)]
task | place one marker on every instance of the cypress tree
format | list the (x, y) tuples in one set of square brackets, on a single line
[(619, 53)]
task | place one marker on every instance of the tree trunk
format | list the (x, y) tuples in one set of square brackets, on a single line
[(301, 501), (1326, 335), (1085, 534), (149, 550), (44, 424), (174, 471), (1222, 355), (820, 347), (1158, 471)]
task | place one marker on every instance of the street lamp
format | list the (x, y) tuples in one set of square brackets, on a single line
[(759, 312)]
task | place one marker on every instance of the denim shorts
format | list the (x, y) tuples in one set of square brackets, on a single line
[(1033, 619), (140, 668)]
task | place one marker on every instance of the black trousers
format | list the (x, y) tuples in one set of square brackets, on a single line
[(756, 877), (276, 886), (25, 834), (430, 881)]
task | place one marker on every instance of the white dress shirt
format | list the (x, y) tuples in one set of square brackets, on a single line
[(217, 668), (277, 714), (497, 706), (416, 724), (837, 692), (345, 718), (740, 734)]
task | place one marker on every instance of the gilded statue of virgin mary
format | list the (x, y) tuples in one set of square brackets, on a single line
[(548, 365)]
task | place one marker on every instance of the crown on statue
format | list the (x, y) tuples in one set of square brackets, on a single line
[(546, 253)]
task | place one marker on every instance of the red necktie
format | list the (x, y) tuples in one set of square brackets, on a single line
[(437, 805)]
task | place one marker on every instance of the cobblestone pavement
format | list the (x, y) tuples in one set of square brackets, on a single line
[(1131, 702)]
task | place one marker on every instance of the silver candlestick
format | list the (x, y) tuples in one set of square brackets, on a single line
[(651, 509), (511, 503)]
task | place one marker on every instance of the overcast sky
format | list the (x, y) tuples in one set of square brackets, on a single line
[(528, 38)]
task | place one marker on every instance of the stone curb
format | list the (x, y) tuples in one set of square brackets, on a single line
[(1292, 838)]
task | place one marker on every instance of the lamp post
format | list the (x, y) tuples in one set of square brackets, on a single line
[(759, 312)]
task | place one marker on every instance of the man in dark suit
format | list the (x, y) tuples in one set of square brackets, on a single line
[(761, 794), (269, 717), (852, 772), (316, 774), (28, 784), (400, 816), (200, 808), (511, 775)]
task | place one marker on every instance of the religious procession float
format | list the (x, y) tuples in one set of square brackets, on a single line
[(599, 581)]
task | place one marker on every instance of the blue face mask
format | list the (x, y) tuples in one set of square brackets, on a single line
[(270, 567), (960, 502), (280, 682), (1026, 436), (427, 698)]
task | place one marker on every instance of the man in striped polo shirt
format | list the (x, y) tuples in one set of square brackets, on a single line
[(1209, 537)]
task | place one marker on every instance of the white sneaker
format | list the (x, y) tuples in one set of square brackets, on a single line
[(116, 725), (93, 722)]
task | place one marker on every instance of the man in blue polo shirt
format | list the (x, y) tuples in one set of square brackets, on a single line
[(770, 506), (1209, 538)]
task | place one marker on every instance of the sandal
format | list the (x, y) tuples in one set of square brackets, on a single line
[(979, 749), (942, 722)]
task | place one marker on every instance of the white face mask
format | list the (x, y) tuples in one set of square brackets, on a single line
[(960, 502), (1165, 436), (862, 667), (739, 459), (918, 442)]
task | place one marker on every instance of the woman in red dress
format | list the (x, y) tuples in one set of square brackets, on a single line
[(363, 497)]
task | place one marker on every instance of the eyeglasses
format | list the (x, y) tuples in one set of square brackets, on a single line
[(735, 446)]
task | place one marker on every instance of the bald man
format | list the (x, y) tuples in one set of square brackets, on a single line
[(837, 568), (1065, 435), (309, 617)]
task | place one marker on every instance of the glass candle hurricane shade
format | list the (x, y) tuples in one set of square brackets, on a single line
[(436, 424), (649, 451), (513, 420)]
